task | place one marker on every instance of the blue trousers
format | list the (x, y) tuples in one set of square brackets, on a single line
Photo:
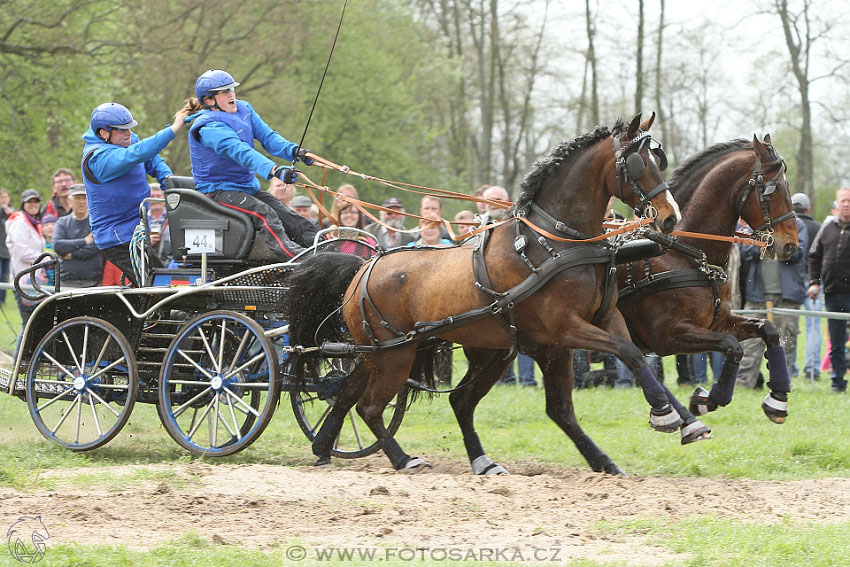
[(701, 366), (814, 340), (839, 302)]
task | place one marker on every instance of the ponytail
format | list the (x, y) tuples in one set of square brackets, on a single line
[(193, 105)]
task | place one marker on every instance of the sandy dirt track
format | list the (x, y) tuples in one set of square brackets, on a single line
[(367, 504)]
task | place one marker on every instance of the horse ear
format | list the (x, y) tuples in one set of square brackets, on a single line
[(759, 149), (634, 127), (646, 125), (767, 139)]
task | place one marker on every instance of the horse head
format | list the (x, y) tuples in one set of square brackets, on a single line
[(639, 161), (766, 204)]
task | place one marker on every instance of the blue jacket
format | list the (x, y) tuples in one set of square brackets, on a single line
[(221, 145), (116, 183), (792, 272)]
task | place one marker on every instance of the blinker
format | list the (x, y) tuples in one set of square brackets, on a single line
[(635, 166), (662, 158)]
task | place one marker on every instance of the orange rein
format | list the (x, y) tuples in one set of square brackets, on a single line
[(363, 207)]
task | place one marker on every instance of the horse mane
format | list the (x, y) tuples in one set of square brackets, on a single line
[(682, 191), (547, 166)]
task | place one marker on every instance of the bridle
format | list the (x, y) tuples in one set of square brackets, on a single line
[(632, 167), (764, 190)]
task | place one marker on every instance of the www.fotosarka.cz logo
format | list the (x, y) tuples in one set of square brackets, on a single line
[(26, 539)]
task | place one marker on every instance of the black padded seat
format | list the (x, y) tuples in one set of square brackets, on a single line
[(198, 224)]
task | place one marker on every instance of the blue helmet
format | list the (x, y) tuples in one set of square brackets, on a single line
[(111, 115), (212, 81)]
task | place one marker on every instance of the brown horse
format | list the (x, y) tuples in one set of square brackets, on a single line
[(556, 294), (674, 304)]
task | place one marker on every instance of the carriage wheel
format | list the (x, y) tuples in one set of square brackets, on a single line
[(313, 402), (82, 383), (218, 388)]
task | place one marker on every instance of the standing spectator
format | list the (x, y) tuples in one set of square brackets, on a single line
[(303, 206), (281, 191), (351, 217), (783, 284), (349, 191), (59, 204), (160, 236), (5, 263), (493, 212), (829, 272), (431, 207), (481, 207), (385, 235), (802, 206), (25, 244), (80, 264), (48, 228), (115, 164), (465, 216)]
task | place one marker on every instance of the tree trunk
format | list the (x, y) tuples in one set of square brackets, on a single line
[(639, 70)]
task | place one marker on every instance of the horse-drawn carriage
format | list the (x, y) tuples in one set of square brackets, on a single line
[(206, 342)]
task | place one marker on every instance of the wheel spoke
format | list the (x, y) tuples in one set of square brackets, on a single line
[(96, 420), (214, 424), (79, 416), (58, 364), (239, 402), (245, 338), (209, 349), (71, 349), (85, 348), (56, 399), (222, 339), (102, 352), (354, 427), (183, 408), (238, 432), (107, 368), (101, 400), (195, 364), (206, 412), (65, 414), (260, 356)]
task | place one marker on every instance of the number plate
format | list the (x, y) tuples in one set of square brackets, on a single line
[(199, 241)]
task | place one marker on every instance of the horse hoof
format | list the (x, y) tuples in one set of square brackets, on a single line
[(614, 470), (700, 402), (483, 466), (775, 409), (695, 431), (665, 419), (322, 462), (415, 465)]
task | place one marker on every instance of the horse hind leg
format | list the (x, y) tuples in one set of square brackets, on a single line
[(485, 369), (393, 368), (351, 389)]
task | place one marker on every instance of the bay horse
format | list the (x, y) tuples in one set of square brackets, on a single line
[(557, 295), (674, 304)]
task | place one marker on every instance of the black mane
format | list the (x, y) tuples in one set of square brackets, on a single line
[(683, 192), (545, 167)]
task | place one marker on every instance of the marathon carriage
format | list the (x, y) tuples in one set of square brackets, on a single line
[(206, 342)]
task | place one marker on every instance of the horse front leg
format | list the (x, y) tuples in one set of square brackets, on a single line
[(486, 366), (557, 367), (775, 403), (350, 390), (665, 415)]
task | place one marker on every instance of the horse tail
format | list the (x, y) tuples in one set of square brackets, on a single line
[(314, 297)]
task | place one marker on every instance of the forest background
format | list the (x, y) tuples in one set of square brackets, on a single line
[(444, 93)]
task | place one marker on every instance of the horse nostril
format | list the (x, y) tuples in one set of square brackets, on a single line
[(668, 225), (791, 248)]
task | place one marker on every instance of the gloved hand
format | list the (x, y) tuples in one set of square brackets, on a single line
[(301, 155), (287, 174)]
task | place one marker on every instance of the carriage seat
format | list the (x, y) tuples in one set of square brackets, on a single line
[(198, 224)]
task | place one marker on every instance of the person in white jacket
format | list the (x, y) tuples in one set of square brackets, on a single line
[(25, 244)]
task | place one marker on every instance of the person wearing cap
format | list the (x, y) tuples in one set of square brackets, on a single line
[(160, 235), (387, 232), (80, 261), (25, 244), (225, 164), (59, 204), (115, 167), (303, 206), (802, 206), (829, 273)]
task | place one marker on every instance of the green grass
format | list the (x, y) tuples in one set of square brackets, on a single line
[(516, 432)]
